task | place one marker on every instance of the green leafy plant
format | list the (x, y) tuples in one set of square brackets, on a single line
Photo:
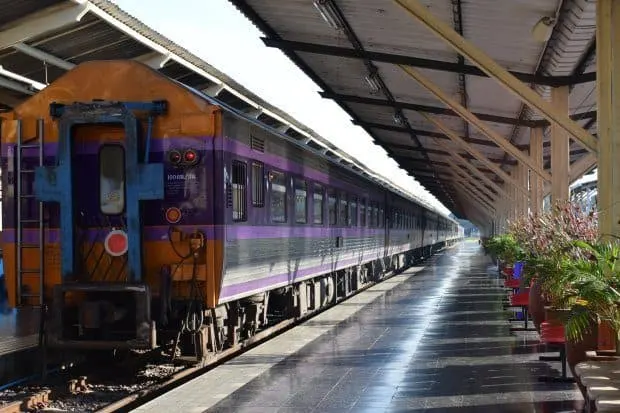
[(593, 289), (505, 247), (549, 248)]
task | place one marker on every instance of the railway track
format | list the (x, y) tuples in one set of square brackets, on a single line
[(145, 395), (77, 394)]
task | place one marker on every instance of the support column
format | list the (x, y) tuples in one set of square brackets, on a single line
[(560, 152), (516, 195), (608, 102), (522, 171), (536, 184)]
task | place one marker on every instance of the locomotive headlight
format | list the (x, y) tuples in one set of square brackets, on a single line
[(174, 157), (190, 157)]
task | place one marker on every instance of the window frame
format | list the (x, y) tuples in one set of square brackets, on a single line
[(258, 186), (353, 211), (124, 177), (271, 192), (244, 202), (332, 194), (297, 181), (322, 202), (343, 208)]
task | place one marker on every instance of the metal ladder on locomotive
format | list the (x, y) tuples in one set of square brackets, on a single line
[(26, 217)]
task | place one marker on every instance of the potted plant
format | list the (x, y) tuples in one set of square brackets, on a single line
[(594, 291), (506, 249), (548, 241)]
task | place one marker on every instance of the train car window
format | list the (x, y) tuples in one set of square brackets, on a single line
[(301, 202), (362, 213), (258, 185), (353, 212), (380, 218), (344, 210), (331, 205), (373, 216), (317, 204), (112, 179), (278, 196), (239, 191)]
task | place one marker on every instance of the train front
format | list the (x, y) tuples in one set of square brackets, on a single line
[(99, 251)]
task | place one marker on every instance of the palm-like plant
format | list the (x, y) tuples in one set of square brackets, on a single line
[(592, 289)]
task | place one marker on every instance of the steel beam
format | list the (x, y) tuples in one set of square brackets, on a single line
[(420, 132), (472, 195), (43, 56), (326, 50), (475, 121), (446, 111), (457, 156), (456, 139), (483, 194), (444, 153), (422, 14)]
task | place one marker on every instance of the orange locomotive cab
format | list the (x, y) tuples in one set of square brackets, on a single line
[(108, 205)]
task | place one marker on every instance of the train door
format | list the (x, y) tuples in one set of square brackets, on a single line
[(100, 216), (101, 177)]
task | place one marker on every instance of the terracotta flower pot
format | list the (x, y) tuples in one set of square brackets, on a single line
[(554, 315), (537, 305), (576, 350)]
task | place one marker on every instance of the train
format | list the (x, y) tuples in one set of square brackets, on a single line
[(142, 213)]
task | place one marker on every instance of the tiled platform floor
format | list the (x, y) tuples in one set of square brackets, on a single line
[(19, 330), (436, 341)]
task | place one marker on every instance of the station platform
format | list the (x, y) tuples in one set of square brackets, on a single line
[(433, 339), (19, 330)]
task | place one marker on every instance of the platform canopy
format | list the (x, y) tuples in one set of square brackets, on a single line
[(41, 40), (406, 69)]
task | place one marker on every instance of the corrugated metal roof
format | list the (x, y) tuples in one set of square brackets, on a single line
[(501, 29), (107, 32)]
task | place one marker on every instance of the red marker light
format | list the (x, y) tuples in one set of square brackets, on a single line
[(116, 243), (190, 156)]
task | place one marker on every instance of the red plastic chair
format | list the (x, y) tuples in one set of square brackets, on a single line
[(512, 283), (521, 299), (553, 335)]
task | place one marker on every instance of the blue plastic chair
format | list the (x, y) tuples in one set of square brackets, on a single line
[(517, 269)]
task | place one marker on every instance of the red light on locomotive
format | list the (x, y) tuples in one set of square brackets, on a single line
[(190, 156)]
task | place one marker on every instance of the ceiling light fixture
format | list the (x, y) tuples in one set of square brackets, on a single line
[(326, 8)]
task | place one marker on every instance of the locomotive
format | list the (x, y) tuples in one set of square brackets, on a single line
[(143, 212)]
